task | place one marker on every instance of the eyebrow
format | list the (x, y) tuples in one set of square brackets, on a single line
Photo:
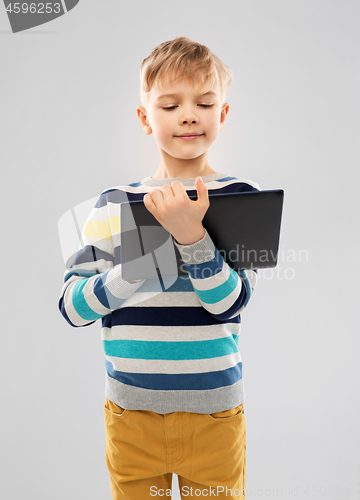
[(178, 95)]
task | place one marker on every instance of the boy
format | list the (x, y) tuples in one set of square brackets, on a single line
[(174, 393)]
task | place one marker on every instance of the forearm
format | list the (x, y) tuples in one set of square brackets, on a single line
[(220, 289), (84, 300)]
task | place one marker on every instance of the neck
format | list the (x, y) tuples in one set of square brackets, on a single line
[(171, 167)]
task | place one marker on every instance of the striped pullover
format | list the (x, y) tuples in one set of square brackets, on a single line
[(171, 343)]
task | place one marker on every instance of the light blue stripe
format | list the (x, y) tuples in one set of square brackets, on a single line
[(80, 304), (220, 292), (141, 349)]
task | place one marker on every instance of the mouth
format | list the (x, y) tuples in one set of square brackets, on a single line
[(189, 136)]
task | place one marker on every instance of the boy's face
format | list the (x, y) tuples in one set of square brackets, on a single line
[(186, 111)]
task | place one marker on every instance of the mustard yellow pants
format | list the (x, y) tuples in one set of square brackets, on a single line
[(206, 451)]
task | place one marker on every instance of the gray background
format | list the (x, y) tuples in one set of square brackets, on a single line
[(69, 129)]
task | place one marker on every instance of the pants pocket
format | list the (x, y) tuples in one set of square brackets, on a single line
[(219, 415), (114, 409)]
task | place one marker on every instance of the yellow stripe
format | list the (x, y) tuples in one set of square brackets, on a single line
[(98, 229), (114, 223)]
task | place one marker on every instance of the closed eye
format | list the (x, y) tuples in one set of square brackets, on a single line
[(202, 105)]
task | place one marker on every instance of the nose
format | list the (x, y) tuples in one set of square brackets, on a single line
[(189, 117)]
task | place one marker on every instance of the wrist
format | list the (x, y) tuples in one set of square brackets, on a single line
[(190, 238)]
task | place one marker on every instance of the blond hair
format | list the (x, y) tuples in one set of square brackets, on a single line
[(188, 60)]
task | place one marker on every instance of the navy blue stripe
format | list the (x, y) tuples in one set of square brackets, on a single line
[(164, 316), (182, 381), (100, 291), (236, 187), (117, 196), (103, 294), (246, 284)]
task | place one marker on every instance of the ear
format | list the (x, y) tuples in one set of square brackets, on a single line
[(224, 112), (141, 112)]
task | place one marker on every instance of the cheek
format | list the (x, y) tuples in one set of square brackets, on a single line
[(213, 127), (214, 121), (164, 126), (160, 127)]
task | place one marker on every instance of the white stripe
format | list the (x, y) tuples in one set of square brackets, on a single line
[(252, 277), (170, 333), (212, 281), (114, 209), (97, 214), (116, 238), (172, 299), (70, 309), (131, 365)]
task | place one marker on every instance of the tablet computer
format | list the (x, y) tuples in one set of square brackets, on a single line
[(244, 227)]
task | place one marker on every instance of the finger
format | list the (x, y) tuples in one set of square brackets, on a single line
[(202, 191), (167, 192), (149, 204), (157, 196), (179, 189)]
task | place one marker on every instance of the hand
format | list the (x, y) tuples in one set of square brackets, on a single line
[(177, 213)]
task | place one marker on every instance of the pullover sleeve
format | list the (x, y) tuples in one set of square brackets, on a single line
[(93, 287), (222, 291)]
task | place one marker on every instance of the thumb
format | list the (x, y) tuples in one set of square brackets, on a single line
[(202, 191)]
